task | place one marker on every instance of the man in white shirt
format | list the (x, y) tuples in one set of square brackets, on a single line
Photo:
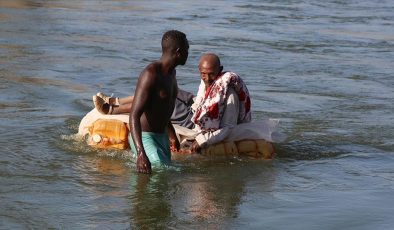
[(222, 102)]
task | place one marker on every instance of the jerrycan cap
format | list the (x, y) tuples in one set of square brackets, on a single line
[(96, 138)]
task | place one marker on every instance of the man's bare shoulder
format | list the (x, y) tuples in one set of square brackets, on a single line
[(152, 68), (149, 74)]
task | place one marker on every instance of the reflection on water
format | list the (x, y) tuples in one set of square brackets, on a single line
[(198, 200), (149, 204), (166, 198)]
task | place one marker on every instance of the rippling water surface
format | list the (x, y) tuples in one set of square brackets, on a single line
[(325, 68)]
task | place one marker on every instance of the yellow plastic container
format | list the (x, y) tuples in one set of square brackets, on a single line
[(221, 149), (108, 133), (252, 148), (256, 148)]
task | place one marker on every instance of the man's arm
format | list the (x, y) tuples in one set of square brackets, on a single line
[(141, 98), (199, 97), (229, 120)]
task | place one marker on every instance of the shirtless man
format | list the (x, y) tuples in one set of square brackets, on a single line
[(153, 104)]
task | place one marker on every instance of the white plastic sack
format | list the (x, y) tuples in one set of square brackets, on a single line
[(266, 129)]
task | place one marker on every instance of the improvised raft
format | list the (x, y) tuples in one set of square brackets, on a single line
[(253, 139)]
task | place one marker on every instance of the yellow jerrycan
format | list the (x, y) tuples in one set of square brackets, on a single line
[(108, 133)]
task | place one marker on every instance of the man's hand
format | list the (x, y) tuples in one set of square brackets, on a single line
[(175, 147), (196, 148), (143, 163), (174, 144)]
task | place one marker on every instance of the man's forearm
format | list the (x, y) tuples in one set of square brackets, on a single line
[(136, 134), (210, 138)]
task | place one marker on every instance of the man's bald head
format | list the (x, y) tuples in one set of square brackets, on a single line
[(209, 67), (209, 59)]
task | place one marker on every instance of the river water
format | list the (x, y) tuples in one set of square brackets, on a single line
[(324, 68)]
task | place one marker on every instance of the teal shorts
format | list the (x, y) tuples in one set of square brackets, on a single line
[(156, 145)]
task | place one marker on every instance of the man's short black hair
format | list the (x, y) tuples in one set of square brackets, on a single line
[(172, 40)]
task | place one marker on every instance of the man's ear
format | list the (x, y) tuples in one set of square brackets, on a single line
[(220, 69), (178, 51)]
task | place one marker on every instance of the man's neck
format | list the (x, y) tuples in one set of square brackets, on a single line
[(167, 64)]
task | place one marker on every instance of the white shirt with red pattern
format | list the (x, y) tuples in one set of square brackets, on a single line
[(222, 106)]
